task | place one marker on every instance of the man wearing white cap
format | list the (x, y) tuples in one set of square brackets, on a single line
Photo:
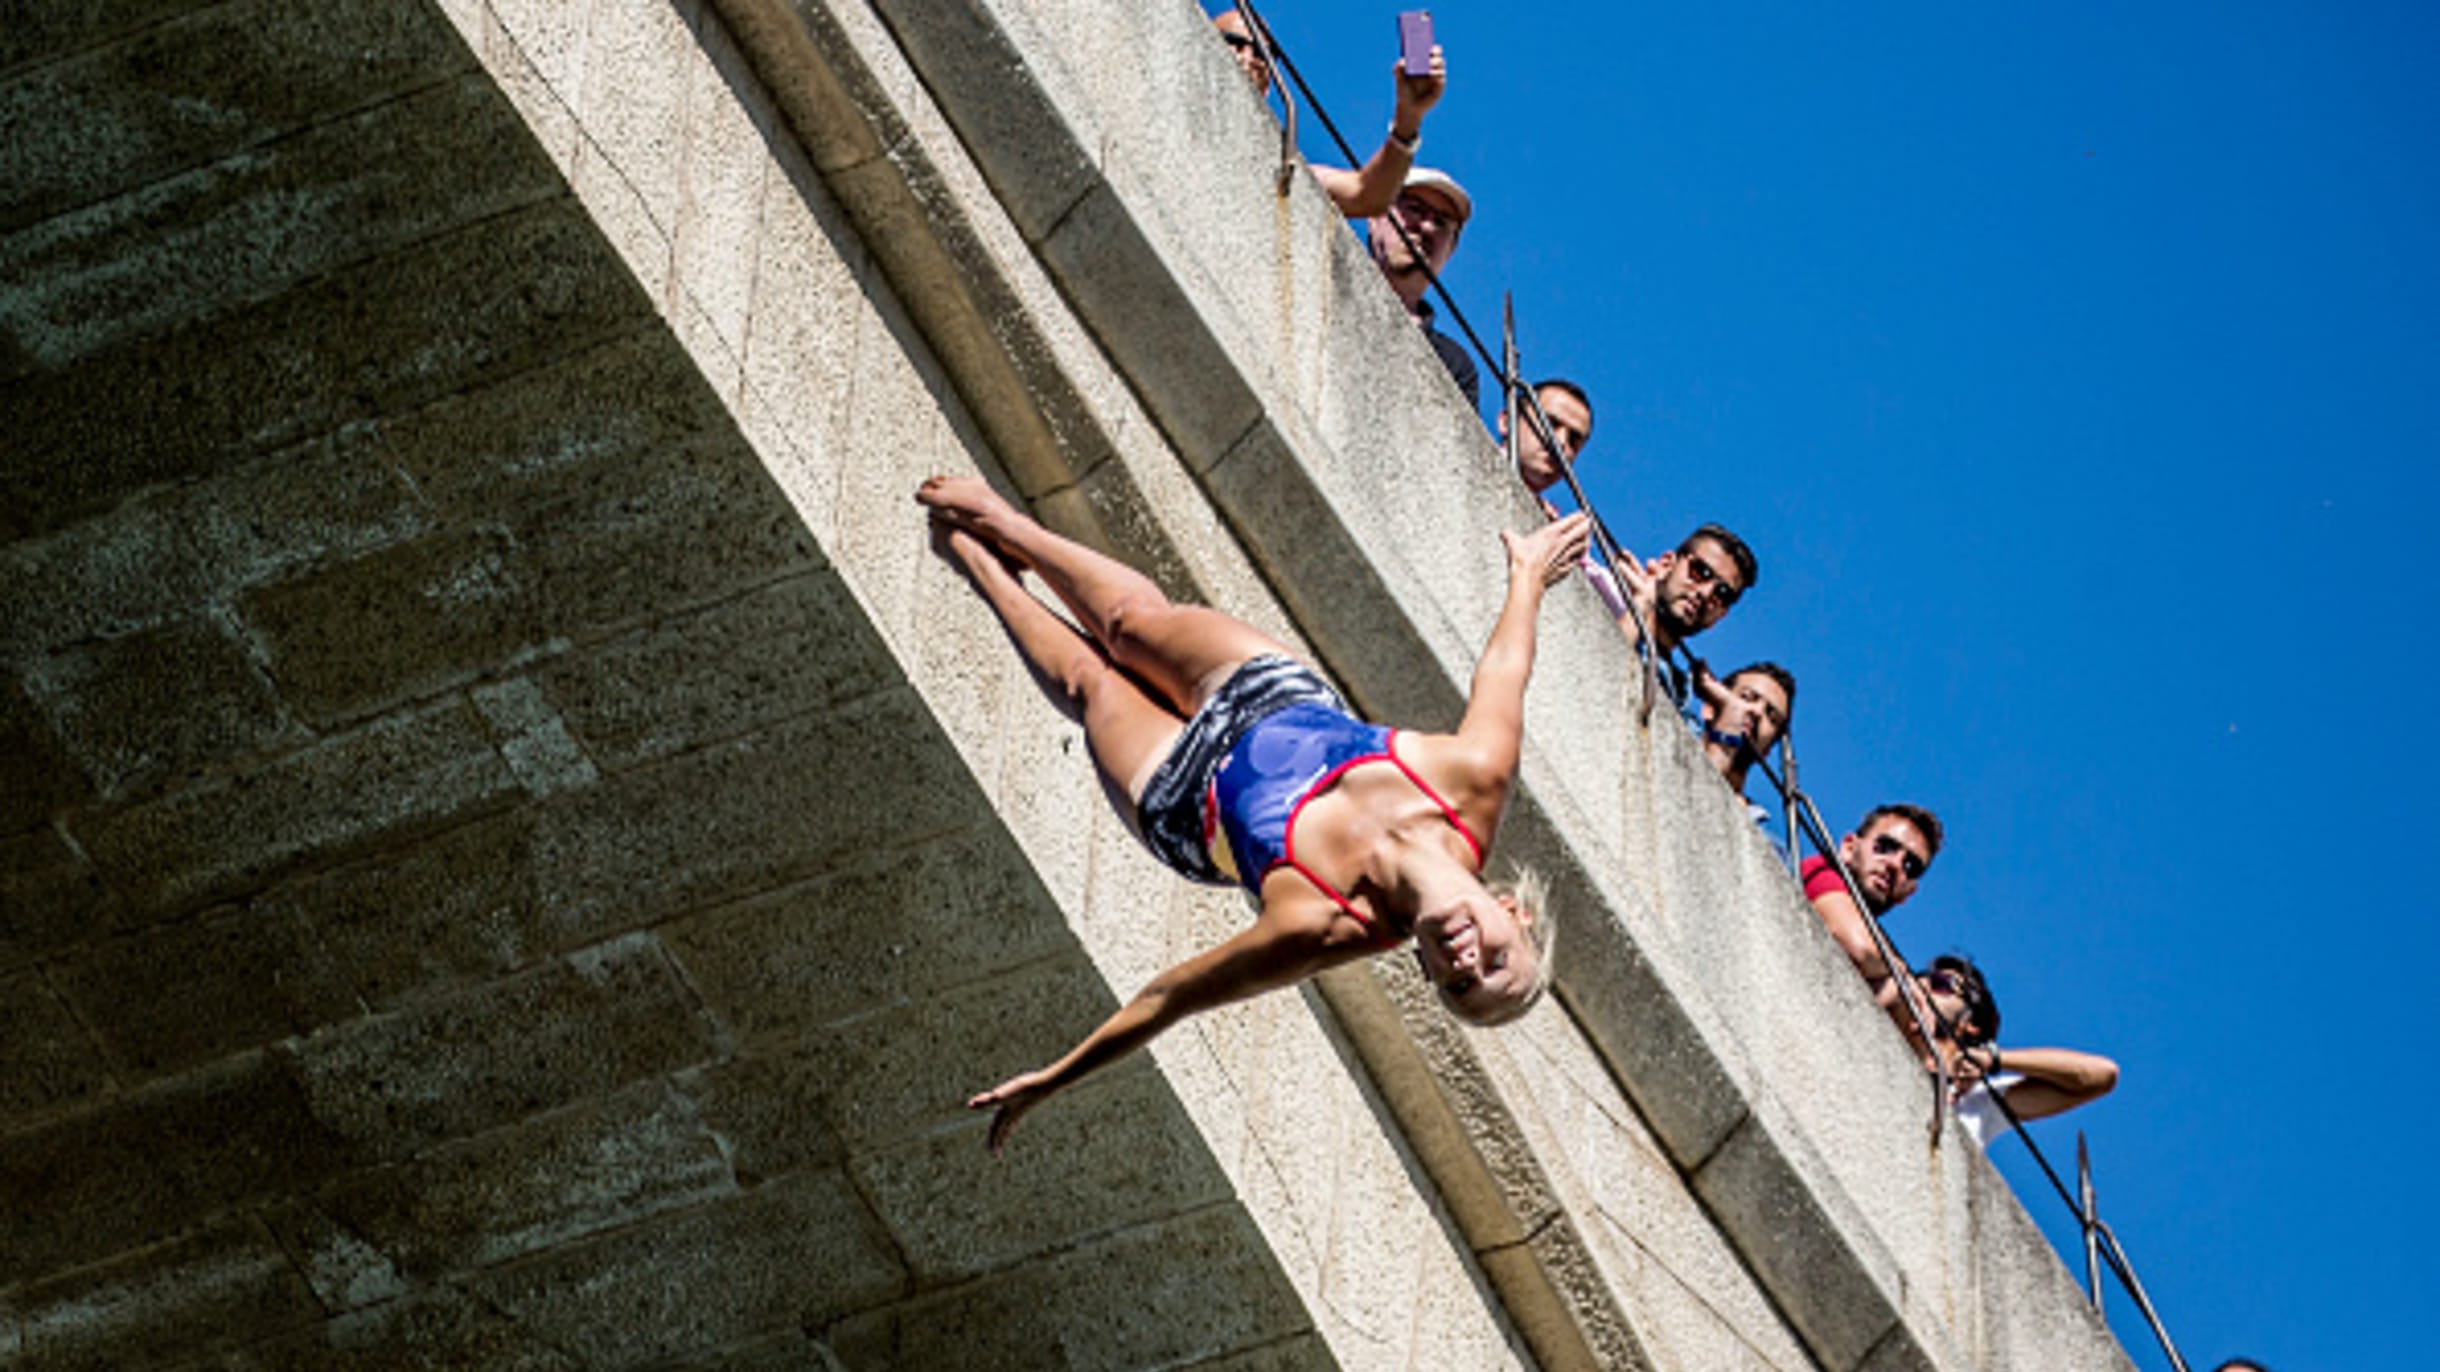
[(1432, 209)]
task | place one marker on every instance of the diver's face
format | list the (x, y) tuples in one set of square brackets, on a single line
[(1478, 951)]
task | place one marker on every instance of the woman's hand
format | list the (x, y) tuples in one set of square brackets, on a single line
[(1011, 1099), (1549, 553)]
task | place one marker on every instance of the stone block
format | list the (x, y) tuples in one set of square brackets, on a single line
[(1040, 162), (39, 34), (797, 645), (136, 1170), (440, 1329), (46, 1062), (203, 86), (1113, 1153), (666, 531), (907, 1072), (212, 240), (392, 779), (162, 555), (174, 1300), (462, 905), (350, 639), (1802, 1240), (388, 335), (534, 740), (37, 778), (1306, 1352), (798, 1253), (517, 439), (565, 1031), (534, 1186), (902, 923), (1146, 317), (161, 706), (164, 998), (761, 812), (715, 239), (1197, 1288), (50, 897), (767, 1107)]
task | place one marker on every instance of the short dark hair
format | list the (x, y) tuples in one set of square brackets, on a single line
[(1982, 1008), (1923, 820), (2240, 1365), (1737, 551), (1563, 384), (1785, 678)]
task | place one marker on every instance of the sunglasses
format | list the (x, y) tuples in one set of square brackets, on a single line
[(1945, 983), (1910, 864), (1716, 586), (1237, 40)]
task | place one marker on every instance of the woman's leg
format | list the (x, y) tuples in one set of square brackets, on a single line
[(1128, 732), (1184, 651)]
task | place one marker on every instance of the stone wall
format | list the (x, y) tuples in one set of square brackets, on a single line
[(514, 850)]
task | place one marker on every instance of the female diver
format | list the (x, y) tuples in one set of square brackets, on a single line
[(1246, 767)]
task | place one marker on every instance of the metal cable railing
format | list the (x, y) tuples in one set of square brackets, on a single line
[(1523, 406)]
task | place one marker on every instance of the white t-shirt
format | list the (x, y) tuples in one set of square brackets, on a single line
[(1979, 1112)]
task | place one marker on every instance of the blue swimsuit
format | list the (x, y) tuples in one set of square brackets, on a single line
[(1222, 807)]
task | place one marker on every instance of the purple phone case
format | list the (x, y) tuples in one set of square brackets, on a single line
[(1415, 42)]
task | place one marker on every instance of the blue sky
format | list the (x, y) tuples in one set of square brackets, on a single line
[(2075, 372)]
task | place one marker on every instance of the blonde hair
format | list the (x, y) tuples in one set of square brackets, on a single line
[(1531, 894)]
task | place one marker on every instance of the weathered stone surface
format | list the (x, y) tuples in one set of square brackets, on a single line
[(396, 625), (45, 1059), (769, 1110), (168, 997), (440, 1330), (535, 1186), (1197, 1287), (1120, 1152), (898, 924), (390, 779), (49, 897), (147, 1166), (198, 88), (796, 1253), (160, 706), (174, 1300), (569, 1029), (374, 339), (201, 244), (36, 778), (48, 33), (795, 646)]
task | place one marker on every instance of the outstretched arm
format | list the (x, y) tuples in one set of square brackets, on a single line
[(1272, 952), (1367, 192), (1495, 704), (2056, 1080)]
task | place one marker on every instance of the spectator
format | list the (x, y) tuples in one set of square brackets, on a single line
[(1684, 592), (1368, 191), (2240, 1365), (1743, 719), (1571, 422), (2034, 1082), (1888, 854), (1432, 209)]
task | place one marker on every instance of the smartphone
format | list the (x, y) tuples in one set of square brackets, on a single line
[(1415, 42)]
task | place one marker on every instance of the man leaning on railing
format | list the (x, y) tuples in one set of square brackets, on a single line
[(1888, 854)]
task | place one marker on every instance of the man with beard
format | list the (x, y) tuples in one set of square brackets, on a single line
[(1743, 718), (1888, 854), (1682, 593)]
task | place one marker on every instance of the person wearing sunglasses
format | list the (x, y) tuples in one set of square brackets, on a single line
[(1683, 592), (1888, 854), (1743, 718), (2036, 1083)]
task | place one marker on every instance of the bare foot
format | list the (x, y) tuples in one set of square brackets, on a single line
[(980, 558), (969, 503)]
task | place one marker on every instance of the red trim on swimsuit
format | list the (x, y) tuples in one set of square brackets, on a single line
[(1385, 937)]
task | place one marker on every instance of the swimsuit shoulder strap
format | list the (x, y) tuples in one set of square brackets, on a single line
[(1447, 810)]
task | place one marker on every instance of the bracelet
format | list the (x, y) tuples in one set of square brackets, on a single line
[(1411, 146)]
